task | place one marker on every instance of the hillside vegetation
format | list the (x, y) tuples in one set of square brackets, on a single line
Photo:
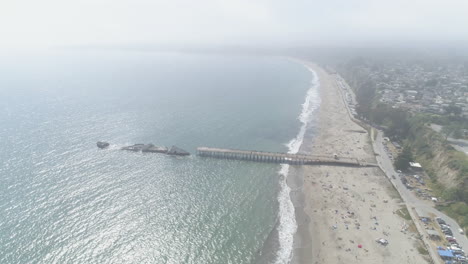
[(446, 167)]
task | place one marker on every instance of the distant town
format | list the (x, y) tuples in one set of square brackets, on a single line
[(420, 86)]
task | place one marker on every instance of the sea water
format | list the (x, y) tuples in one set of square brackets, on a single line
[(63, 200)]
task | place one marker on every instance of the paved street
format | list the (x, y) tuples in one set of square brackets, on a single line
[(386, 164), (409, 197)]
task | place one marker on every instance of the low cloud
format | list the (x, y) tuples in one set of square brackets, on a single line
[(60, 22)]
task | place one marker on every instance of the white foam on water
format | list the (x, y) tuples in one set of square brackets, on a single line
[(287, 221)]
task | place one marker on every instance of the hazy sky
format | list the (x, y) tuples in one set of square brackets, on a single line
[(298, 22)]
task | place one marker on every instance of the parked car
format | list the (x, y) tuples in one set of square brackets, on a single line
[(440, 220), (382, 241), (456, 249), (445, 228), (455, 245), (452, 240)]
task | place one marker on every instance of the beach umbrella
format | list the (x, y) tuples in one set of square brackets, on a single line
[(359, 246)]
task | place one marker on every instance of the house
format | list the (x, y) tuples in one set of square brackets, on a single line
[(415, 166)]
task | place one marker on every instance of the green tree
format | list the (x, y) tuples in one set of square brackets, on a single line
[(403, 159), (365, 96), (452, 130), (458, 133), (453, 109)]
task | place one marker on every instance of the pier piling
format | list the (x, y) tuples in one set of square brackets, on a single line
[(278, 157)]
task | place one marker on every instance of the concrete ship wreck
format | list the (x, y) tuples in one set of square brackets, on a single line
[(149, 148)]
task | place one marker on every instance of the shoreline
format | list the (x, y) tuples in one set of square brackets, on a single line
[(295, 180), (336, 208), (303, 237), (281, 241)]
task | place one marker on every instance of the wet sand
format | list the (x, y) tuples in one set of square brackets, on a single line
[(341, 211)]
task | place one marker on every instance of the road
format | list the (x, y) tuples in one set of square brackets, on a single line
[(386, 164), (459, 144), (411, 200)]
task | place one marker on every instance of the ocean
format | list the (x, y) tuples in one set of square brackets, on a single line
[(63, 200)]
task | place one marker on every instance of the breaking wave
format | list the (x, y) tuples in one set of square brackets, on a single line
[(287, 222)]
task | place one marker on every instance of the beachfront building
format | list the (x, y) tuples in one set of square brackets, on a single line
[(415, 166)]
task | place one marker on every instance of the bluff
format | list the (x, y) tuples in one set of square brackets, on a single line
[(446, 167)]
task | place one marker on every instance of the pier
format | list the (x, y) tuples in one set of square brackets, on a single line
[(281, 158)]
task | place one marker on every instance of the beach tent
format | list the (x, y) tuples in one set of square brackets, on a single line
[(445, 254)]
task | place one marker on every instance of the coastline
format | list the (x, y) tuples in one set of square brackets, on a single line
[(339, 208), (290, 197), (280, 244)]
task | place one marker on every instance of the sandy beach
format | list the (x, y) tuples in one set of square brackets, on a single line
[(341, 211)]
